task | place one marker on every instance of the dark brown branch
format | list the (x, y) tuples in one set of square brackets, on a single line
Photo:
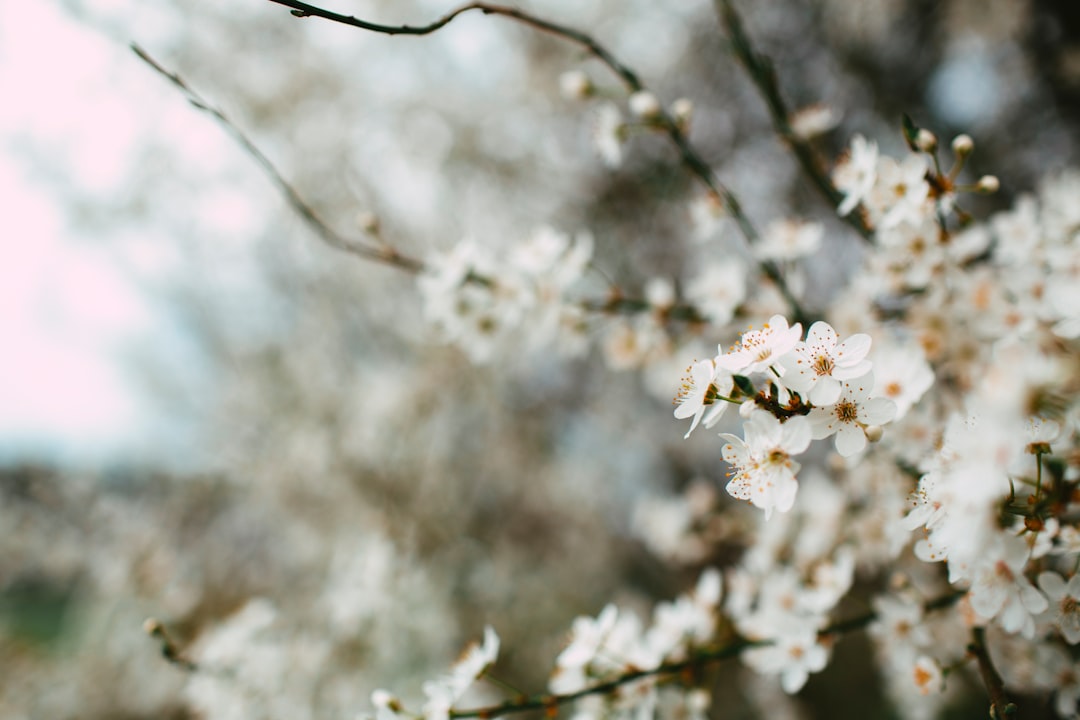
[(1000, 707), (763, 75), (690, 157), (548, 702), (307, 213), (617, 304), (695, 661)]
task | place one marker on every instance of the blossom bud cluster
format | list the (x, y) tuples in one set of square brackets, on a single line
[(480, 302)]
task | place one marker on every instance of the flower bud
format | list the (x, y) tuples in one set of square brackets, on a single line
[(644, 105), (682, 109), (813, 120), (660, 293), (874, 433), (926, 140), (368, 222), (988, 184), (962, 145), (575, 85)]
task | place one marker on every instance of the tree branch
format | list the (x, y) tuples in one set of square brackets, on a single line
[(1000, 707), (697, 660), (763, 75), (616, 304), (385, 255), (690, 157)]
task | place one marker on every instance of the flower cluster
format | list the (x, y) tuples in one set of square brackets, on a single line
[(960, 336), (979, 312), (615, 642), (811, 389), (481, 302), (443, 692)]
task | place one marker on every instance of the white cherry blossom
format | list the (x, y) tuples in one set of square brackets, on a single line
[(763, 469), (853, 412), (816, 367), (757, 350), (855, 176), (1064, 603), (700, 394)]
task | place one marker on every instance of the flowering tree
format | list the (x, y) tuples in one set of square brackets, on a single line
[(902, 432)]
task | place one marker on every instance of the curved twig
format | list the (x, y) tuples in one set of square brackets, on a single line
[(763, 75), (631, 81), (327, 234)]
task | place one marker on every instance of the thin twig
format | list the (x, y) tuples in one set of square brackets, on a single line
[(631, 81), (169, 649), (1000, 707), (695, 661), (616, 304), (385, 255), (763, 75)]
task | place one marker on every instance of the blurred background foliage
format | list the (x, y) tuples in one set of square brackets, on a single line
[(303, 438)]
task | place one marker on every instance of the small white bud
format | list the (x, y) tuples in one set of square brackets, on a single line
[(660, 293), (575, 85), (644, 105), (368, 222), (698, 702), (962, 145), (874, 433), (151, 626), (988, 184), (926, 140), (682, 109), (813, 120)]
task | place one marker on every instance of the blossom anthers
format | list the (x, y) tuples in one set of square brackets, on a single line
[(700, 391), (792, 656), (849, 417), (901, 374), (816, 367), (1000, 590), (757, 350), (763, 469)]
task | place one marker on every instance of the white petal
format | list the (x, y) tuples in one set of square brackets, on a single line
[(826, 391), (821, 336), (1052, 584), (853, 350), (877, 411), (1033, 600), (793, 679), (849, 440), (822, 423), (796, 435), (854, 372)]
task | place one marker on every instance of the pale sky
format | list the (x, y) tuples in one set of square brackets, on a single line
[(68, 308)]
